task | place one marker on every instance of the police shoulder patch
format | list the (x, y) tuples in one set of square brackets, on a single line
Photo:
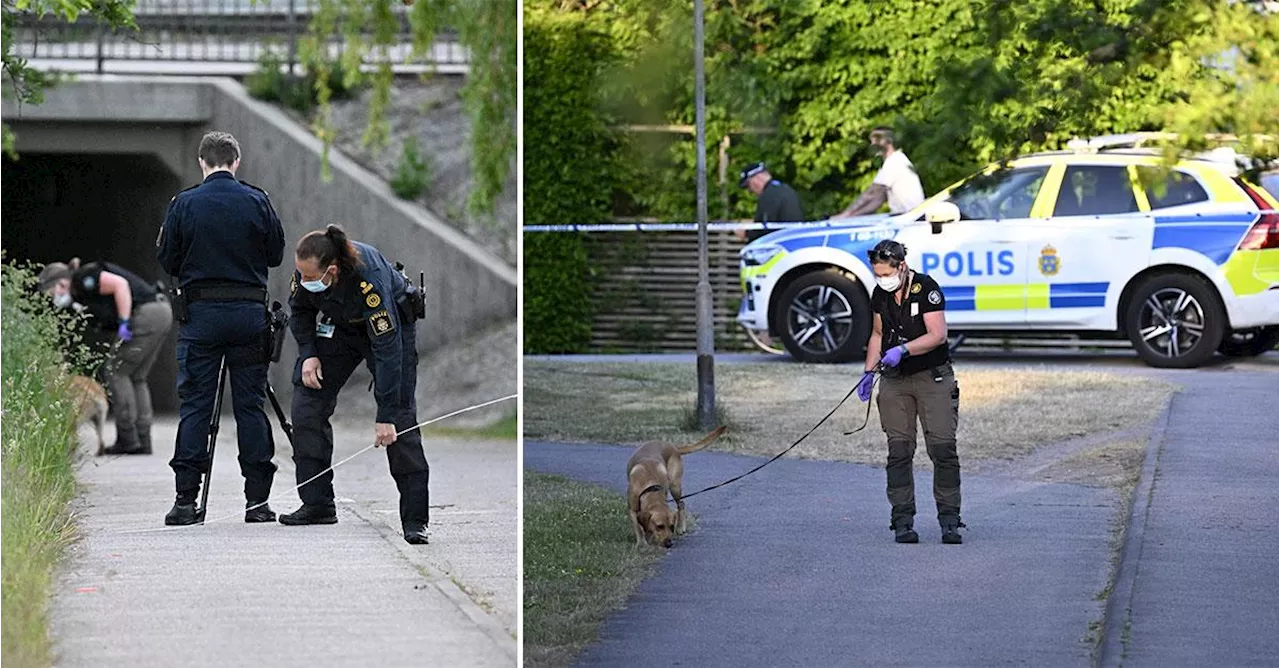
[(935, 297), (293, 284), (373, 300), (365, 287), (381, 323)]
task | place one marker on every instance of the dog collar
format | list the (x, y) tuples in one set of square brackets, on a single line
[(651, 488)]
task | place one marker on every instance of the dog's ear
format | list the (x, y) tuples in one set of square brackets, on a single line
[(643, 517)]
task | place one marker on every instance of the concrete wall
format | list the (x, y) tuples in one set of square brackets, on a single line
[(467, 288)]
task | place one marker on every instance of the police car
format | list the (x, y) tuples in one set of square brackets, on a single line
[(1100, 238)]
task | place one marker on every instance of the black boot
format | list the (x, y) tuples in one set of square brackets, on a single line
[(903, 533), (126, 443), (310, 515), (950, 531), (262, 513), (415, 535), (144, 439), (183, 512)]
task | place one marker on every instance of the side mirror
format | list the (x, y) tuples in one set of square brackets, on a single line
[(941, 213)]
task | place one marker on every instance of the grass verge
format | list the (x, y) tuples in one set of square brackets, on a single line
[(1002, 415), (580, 564), (36, 465), (503, 430)]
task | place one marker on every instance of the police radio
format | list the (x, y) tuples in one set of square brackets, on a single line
[(415, 295), (279, 323)]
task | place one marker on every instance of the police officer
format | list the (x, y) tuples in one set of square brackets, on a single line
[(354, 307), (910, 329), (124, 305), (218, 240), (776, 201)]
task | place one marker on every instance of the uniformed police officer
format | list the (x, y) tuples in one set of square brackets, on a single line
[(917, 382), (776, 201), (218, 240), (123, 305), (354, 307)]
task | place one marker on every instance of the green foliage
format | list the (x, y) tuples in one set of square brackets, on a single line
[(964, 82), (570, 170), (271, 82), (40, 429), (486, 28), (27, 84), (412, 175)]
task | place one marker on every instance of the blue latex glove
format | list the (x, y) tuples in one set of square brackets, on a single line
[(894, 356), (125, 334), (864, 386)]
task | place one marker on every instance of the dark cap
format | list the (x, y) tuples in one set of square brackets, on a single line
[(749, 172)]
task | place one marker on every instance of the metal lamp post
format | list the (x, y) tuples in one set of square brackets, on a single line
[(706, 340)]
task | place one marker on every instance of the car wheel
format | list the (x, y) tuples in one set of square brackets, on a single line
[(824, 316), (1250, 342), (1175, 321)]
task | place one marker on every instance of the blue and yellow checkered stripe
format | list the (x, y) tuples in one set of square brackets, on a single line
[(1029, 296)]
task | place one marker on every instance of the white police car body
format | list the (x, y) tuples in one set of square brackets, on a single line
[(1184, 262)]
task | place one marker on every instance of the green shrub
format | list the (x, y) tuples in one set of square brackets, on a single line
[(37, 451), (570, 172), (412, 174), (271, 83)]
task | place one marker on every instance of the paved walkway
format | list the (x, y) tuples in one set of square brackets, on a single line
[(229, 593), (1198, 586), (796, 566)]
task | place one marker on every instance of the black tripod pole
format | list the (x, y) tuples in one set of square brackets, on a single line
[(284, 421), (213, 439)]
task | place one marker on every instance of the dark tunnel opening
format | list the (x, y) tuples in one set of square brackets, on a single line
[(94, 207)]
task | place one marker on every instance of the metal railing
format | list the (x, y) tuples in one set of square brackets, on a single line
[(206, 37)]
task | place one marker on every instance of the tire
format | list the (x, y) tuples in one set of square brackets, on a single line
[(824, 317), (1250, 342), (1188, 301)]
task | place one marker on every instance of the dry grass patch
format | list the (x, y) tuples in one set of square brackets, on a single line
[(1003, 415), (1115, 464)]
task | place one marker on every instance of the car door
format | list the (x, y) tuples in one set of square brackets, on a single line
[(979, 260), (1096, 237)]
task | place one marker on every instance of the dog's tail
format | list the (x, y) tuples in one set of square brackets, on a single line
[(704, 442)]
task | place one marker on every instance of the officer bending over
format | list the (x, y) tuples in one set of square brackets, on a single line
[(917, 382), (354, 307)]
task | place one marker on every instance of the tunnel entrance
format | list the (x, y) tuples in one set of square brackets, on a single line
[(94, 207)]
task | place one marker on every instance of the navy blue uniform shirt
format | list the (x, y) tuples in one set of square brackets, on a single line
[(363, 304), (221, 231)]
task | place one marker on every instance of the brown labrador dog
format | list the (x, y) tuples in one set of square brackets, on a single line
[(91, 405), (655, 470)]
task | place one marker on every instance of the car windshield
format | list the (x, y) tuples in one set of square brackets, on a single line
[(1271, 183), (1005, 193)]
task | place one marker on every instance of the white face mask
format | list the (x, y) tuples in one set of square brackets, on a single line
[(889, 283), (63, 300)]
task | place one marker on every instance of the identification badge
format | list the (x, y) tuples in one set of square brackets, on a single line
[(915, 309), (324, 328)]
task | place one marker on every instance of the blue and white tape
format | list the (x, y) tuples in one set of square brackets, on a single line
[(680, 227)]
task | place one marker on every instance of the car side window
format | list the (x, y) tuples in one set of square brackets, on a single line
[(1174, 188), (1095, 190), (1006, 193)]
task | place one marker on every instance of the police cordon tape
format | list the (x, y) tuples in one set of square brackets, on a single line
[(240, 513), (693, 227)]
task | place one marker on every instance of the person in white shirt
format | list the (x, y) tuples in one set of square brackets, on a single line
[(895, 183)]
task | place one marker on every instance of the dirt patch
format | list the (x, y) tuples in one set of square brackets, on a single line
[(1116, 464), (1003, 415)]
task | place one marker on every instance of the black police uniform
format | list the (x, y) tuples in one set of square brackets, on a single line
[(218, 240), (364, 317), (921, 387), (778, 203)]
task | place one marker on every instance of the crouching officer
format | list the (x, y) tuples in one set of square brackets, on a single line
[(124, 305), (354, 307), (218, 240), (918, 382)]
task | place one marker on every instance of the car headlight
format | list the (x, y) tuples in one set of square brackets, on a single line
[(757, 255)]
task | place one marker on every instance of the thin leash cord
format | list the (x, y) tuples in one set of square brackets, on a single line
[(799, 440), (331, 468)]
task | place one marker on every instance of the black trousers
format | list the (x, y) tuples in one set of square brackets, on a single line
[(313, 434)]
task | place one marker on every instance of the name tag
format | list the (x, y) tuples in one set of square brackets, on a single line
[(324, 330), (915, 309)]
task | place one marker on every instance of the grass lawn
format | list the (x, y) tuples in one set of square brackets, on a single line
[(580, 564), (767, 406), (502, 430)]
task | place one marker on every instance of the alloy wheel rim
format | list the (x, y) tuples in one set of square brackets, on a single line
[(1171, 322), (819, 319)]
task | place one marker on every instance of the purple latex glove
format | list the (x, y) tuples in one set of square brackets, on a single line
[(894, 356), (124, 333), (864, 386)]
